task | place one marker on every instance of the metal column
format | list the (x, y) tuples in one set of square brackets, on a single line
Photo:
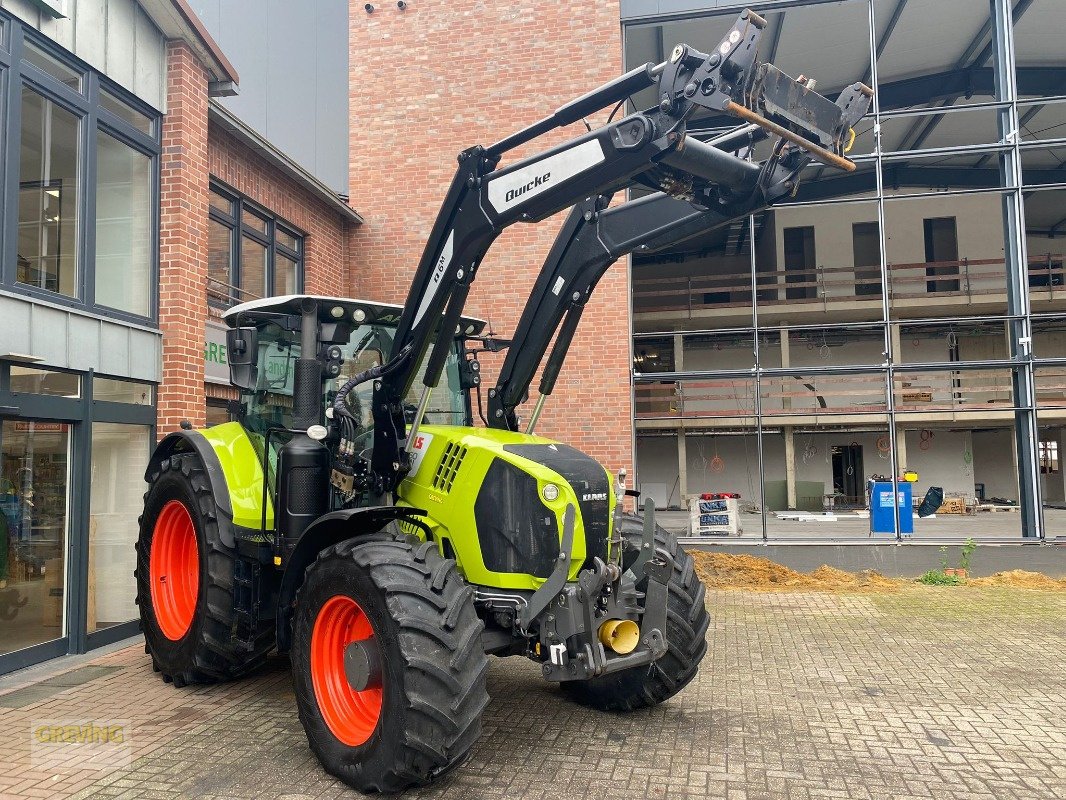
[(1016, 257)]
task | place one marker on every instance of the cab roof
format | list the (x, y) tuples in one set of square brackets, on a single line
[(289, 304)]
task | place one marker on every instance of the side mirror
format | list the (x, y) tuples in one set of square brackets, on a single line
[(242, 353)]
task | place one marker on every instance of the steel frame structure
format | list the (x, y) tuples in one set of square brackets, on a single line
[(990, 68)]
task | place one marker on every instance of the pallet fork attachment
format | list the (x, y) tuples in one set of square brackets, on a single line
[(596, 234)]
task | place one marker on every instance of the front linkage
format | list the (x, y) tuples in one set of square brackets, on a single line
[(579, 622)]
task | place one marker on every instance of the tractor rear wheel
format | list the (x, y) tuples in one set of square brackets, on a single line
[(686, 636), (185, 581), (412, 708)]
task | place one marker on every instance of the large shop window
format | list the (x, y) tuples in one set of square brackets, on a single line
[(118, 457), (79, 202), (34, 468), (252, 253), (73, 449)]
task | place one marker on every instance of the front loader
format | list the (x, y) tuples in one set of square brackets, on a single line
[(355, 518)]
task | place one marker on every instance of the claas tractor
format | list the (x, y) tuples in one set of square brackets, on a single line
[(356, 517)]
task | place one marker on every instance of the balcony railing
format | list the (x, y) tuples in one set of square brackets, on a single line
[(967, 277), (968, 390), (222, 295)]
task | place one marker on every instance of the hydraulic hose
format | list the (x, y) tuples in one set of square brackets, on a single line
[(375, 372)]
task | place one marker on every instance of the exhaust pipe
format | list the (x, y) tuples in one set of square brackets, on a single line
[(620, 635)]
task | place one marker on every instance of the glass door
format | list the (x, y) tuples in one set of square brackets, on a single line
[(35, 469)]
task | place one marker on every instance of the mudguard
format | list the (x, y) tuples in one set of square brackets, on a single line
[(328, 530), (194, 441), (234, 469)]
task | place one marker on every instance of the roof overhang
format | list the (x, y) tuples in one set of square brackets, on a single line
[(227, 121), (177, 20)]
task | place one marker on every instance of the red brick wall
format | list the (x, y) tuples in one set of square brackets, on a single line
[(193, 152), (326, 246), (183, 241), (445, 75)]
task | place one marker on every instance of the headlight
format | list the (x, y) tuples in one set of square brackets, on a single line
[(550, 492)]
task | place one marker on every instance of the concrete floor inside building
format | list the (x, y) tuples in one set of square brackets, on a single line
[(984, 526)]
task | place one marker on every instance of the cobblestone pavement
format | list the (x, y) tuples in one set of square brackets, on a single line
[(920, 693)]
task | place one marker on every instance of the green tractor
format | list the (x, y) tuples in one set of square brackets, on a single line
[(357, 519)]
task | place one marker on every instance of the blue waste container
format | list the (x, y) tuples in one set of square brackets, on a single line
[(882, 513)]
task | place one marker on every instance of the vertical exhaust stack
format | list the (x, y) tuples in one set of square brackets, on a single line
[(302, 485)]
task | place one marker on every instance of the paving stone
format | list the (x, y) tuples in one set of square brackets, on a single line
[(921, 693)]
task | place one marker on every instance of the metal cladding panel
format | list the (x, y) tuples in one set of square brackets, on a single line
[(298, 103), (66, 339), (115, 37), (114, 350), (83, 346), (146, 355), (588, 479), (15, 334), (49, 334)]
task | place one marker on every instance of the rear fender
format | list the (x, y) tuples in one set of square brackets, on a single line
[(328, 530), (186, 441)]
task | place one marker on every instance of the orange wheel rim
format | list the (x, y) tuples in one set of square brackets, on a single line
[(174, 570), (350, 715)]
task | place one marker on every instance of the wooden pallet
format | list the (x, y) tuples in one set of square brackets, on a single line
[(992, 509)]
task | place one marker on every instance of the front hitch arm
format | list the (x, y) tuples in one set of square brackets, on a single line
[(555, 583)]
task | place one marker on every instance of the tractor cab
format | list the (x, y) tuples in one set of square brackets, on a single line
[(264, 344)]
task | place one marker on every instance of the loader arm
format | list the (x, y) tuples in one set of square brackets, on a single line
[(649, 147), (594, 236)]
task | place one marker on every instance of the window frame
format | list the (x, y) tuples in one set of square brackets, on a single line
[(240, 205), (15, 74)]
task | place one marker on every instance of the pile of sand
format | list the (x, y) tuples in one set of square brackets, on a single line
[(1021, 579), (726, 571)]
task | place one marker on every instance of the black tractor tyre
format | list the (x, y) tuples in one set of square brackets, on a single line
[(208, 651), (686, 636), (433, 666)]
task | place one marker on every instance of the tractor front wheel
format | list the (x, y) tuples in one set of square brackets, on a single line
[(687, 621), (388, 664)]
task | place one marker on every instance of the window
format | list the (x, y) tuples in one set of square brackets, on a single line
[(113, 390), (34, 469), (1049, 457), (866, 246), (123, 226), (31, 380), (117, 489), (251, 253), (47, 256), (142, 122), (218, 412), (32, 54), (83, 185)]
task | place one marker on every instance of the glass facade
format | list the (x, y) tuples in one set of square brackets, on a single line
[(79, 230), (81, 178), (906, 316)]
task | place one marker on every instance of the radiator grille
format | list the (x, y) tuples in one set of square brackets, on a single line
[(517, 532), (448, 467), (588, 479)]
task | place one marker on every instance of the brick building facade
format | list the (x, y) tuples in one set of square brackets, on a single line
[(203, 146), (439, 77)]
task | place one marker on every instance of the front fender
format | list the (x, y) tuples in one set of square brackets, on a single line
[(328, 530)]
